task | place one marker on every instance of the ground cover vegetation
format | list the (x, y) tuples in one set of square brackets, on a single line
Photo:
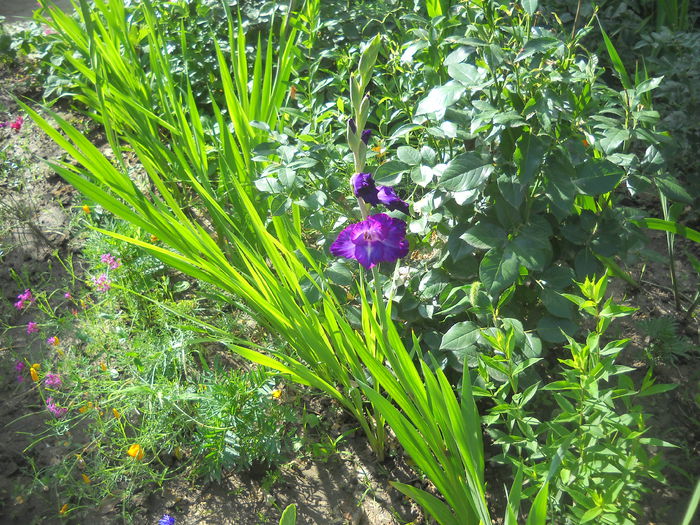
[(416, 209)]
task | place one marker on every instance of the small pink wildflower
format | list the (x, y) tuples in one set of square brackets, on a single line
[(49, 31), (102, 283), (20, 366), (58, 412), (53, 341), (32, 327), (67, 295), (24, 299), (52, 380), (110, 261), (17, 124)]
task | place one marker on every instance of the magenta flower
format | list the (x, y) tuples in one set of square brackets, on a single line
[(67, 295), (379, 238), (110, 261), (20, 366), (387, 196), (17, 124), (53, 341), (52, 380), (24, 299), (102, 283), (32, 327), (58, 412)]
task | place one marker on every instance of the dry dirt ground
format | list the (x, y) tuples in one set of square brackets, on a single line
[(35, 213)]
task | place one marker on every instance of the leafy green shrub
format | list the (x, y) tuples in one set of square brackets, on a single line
[(593, 431)]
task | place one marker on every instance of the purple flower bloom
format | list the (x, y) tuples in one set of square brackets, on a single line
[(379, 238), (387, 196), (24, 299), (20, 366), (53, 341), (167, 519), (68, 295), (364, 188), (110, 261), (102, 283), (52, 380), (364, 136), (58, 412), (32, 327)]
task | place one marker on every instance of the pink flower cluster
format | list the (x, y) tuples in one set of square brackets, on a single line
[(53, 341), (16, 124), (58, 412), (110, 261), (32, 328), (52, 380), (102, 283), (24, 299)]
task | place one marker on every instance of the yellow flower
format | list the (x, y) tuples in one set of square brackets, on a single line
[(276, 393), (103, 367), (136, 451), (178, 452), (82, 409), (86, 208), (86, 479), (64, 509), (154, 239), (35, 376), (116, 413)]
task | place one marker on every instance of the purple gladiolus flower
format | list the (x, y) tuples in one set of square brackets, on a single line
[(363, 186), (387, 196), (364, 136), (379, 238), (167, 519)]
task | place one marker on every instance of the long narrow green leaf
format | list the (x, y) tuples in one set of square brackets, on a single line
[(668, 226)]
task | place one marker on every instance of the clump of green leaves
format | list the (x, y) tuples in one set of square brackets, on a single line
[(595, 429), (242, 421)]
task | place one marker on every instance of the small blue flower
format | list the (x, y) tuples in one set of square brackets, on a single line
[(167, 519)]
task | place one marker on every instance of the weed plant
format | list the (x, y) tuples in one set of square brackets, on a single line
[(131, 398)]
